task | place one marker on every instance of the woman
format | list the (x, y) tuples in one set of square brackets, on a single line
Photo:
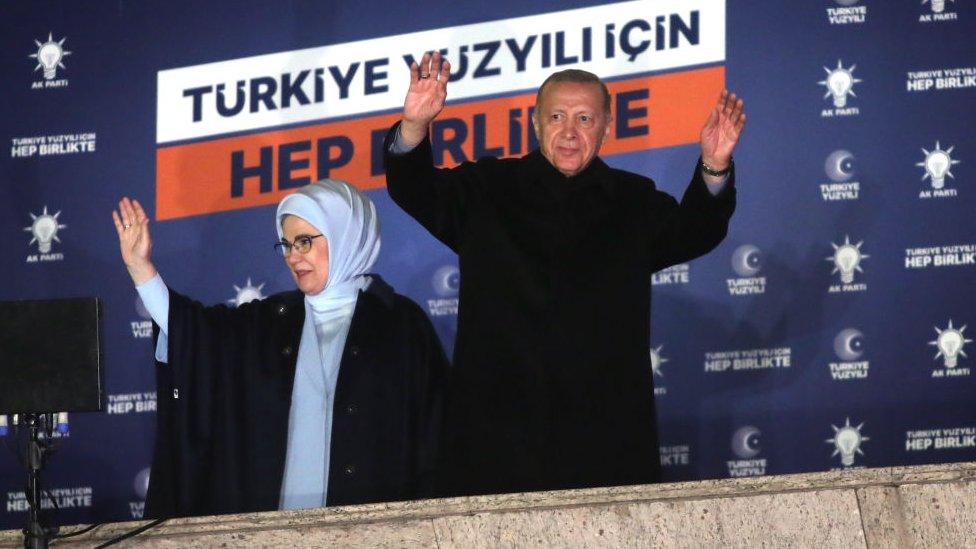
[(328, 395)]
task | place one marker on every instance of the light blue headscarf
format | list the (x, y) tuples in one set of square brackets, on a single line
[(348, 221)]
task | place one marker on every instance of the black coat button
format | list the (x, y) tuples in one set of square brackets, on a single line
[(286, 351), (282, 309), (351, 409), (350, 469), (354, 351)]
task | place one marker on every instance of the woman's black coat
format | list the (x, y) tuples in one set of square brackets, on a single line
[(225, 393)]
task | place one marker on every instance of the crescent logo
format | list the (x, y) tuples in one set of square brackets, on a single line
[(141, 483), (141, 308), (446, 281), (849, 344), (746, 260), (745, 442), (839, 166)]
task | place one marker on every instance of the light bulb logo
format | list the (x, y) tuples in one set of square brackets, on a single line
[(840, 83), (657, 360), (847, 442), (249, 292), (950, 343), (847, 259), (49, 56), (62, 423), (4, 429), (937, 164), (938, 6), (446, 281), (44, 230)]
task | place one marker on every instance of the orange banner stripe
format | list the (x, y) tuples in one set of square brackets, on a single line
[(196, 178)]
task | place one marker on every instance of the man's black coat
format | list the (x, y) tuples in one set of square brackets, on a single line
[(551, 386), (225, 395)]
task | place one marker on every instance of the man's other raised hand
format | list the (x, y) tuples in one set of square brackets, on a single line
[(425, 97)]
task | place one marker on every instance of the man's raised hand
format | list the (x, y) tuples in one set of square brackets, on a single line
[(722, 131), (425, 97)]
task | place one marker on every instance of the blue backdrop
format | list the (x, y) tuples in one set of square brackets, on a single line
[(827, 331)]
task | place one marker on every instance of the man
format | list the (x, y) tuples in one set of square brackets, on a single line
[(551, 386)]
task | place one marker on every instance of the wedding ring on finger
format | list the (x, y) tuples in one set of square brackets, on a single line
[(424, 76)]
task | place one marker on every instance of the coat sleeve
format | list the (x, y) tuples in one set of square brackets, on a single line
[(204, 394), (439, 199), (431, 384), (205, 345), (184, 418), (680, 232)]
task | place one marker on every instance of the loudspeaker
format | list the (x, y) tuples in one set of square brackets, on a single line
[(50, 356)]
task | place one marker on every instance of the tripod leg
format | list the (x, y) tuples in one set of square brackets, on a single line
[(35, 535)]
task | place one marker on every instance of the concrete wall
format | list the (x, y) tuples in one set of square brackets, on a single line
[(925, 506)]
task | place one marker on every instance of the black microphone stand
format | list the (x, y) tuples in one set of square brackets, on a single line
[(36, 535)]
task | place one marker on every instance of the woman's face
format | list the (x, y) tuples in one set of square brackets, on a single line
[(311, 269)]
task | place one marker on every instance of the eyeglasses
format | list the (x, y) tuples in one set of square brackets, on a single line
[(302, 244)]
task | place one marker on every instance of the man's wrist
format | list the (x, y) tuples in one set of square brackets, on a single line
[(714, 169), (411, 133)]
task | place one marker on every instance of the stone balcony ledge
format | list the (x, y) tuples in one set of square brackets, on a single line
[(921, 506)]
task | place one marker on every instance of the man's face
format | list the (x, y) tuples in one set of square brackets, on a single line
[(570, 125)]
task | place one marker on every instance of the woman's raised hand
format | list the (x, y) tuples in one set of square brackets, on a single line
[(132, 224)]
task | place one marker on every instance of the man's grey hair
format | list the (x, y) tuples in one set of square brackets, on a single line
[(577, 76)]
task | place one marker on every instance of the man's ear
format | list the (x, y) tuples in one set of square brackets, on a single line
[(606, 131)]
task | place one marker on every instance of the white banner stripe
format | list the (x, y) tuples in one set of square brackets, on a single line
[(491, 58)]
